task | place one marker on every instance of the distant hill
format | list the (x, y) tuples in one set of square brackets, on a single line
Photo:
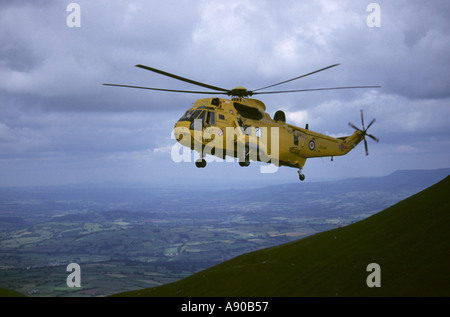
[(405, 180), (410, 241), (351, 197)]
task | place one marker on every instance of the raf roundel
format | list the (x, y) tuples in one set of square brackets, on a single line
[(312, 145)]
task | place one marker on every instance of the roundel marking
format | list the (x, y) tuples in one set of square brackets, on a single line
[(312, 145)]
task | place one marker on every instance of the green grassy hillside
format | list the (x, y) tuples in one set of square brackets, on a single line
[(410, 241)]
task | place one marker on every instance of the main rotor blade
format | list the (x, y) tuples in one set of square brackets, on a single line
[(312, 89), (181, 78), (171, 90), (365, 145), (286, 81)]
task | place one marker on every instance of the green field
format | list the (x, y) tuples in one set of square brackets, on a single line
[(128, 253)]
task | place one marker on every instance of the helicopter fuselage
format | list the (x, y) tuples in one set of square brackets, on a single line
[(241, 128)]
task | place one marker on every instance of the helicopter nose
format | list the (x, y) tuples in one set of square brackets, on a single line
[(181, 131), (181, 125)]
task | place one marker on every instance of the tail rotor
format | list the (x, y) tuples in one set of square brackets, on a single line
[(364, 131)]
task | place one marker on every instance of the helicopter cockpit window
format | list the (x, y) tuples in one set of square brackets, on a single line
[(202, 115), (195, 114), (207, 117), (186, 116)]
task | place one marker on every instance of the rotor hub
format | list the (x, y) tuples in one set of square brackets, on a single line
[(240, 91)]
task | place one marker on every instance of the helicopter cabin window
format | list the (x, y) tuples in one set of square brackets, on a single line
[(210, 119), (221, 116), (296, 137), (256, 131)]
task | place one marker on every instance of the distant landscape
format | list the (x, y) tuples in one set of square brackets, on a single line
[(128, 237), (401, 251)]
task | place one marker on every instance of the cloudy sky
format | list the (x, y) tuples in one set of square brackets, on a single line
[(59, 124)]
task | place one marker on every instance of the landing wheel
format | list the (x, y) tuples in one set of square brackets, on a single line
[(245, 163), (301, 175), (247, 159), (200, 163)]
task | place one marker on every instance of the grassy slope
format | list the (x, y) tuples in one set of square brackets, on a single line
[(410, 241)]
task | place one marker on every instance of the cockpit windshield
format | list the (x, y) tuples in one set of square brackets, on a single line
[(205, 115)]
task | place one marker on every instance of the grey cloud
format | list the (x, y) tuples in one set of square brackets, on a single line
[(54, 108)]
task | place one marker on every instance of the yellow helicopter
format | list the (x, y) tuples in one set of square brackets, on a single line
[(241, 128)]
